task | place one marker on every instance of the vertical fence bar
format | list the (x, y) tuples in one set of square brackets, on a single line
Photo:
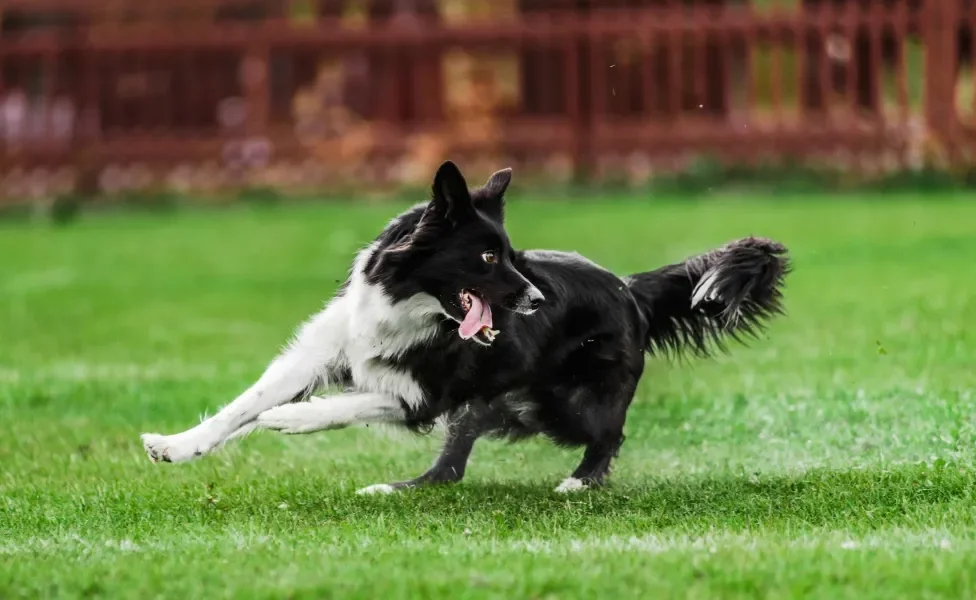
[(206, 74), (676, 79), (798, 34), (255, 85), (940, 69), (726, 52), (852, 29), (571, 72), (166, 113), (970, 24), (876, 27), (776, 42), (87, 139), (598, 92), (3, 142), (901, 61), (824, 82), (142, 119), (747, 40), (187, 117), (112, 102), (49, 74), (649, 57), (699, 65)]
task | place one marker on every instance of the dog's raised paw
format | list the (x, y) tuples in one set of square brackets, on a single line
[(171, 448), (379, 488), (570, 485), (155, 447)]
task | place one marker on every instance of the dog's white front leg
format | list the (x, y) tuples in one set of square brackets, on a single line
[(310, 360), (334, 412)]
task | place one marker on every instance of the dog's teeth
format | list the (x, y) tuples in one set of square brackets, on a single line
[(489, 333)]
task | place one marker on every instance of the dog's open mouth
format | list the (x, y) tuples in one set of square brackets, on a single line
[(477, 318)]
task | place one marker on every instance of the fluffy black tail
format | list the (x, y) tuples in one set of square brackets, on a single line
[(698, 305)]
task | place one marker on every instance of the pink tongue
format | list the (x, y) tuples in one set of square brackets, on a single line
[(477, 318)]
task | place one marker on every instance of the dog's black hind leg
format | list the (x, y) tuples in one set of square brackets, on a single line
[(594, 417), (463, 429), (595, 466)]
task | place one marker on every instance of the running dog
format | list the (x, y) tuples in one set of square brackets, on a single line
[(441, 319)]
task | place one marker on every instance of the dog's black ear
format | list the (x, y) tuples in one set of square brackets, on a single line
[(451, 199), (491, 198)]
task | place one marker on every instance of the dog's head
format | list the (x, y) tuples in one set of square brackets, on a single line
[(459, 253)]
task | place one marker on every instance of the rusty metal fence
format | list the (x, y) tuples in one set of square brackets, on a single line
[(109, 95)]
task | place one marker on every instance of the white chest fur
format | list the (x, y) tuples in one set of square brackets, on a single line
[(379, 331)]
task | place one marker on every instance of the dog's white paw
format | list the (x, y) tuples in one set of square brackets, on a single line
[(176, 448), (379, 488), (570, 485)]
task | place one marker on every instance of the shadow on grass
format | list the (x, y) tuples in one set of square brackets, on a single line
[(868, 498), (917, 495), (819, 498)]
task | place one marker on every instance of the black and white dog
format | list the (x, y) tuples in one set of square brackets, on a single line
[(441, 318)]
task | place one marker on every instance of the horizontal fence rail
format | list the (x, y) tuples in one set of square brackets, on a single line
[(209, 95)]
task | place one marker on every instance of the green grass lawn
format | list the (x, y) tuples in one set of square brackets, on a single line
[(834, 458)]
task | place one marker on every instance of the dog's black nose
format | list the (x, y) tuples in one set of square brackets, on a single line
[(535, 298)]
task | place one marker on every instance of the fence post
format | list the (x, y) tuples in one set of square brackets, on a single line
[(87, 150), (940, 22), (3, 143), (256, 83), (573, 92), (596, 96)]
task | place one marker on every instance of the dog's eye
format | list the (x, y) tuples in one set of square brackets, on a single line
[(489, 257)]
